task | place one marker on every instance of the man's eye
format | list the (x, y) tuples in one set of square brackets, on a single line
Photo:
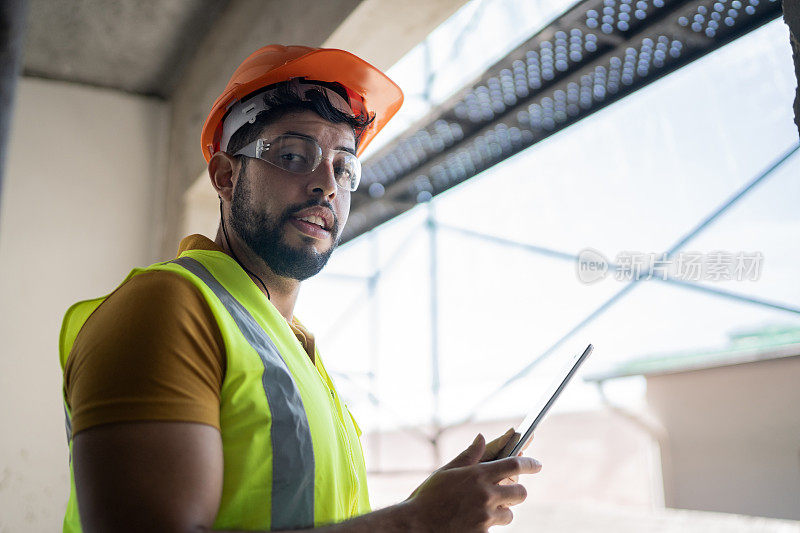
[(296, 158), (342, 173)]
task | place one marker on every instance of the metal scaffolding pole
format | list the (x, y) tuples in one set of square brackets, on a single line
[(556, 254), (379, 269), (433, 226), (434, 310), (680, 243), (374, 346)]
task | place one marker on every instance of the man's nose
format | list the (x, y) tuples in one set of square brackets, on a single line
[(323, 180)]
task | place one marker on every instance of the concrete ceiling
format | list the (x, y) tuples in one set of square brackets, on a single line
[(136, 46)]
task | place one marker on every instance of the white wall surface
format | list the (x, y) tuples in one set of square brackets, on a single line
[(82, 172), (734, 437), (200, 208)]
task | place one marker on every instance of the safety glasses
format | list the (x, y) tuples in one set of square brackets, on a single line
[(302, 155)]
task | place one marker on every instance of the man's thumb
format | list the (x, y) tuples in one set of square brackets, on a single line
[(470, 456)]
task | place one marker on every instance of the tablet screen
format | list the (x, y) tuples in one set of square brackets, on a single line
[(525, 430)]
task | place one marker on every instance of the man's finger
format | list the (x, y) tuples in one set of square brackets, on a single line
[(502, 516), (510, 466), (494, 447), (469, 456), (510, 445), (510, 494)]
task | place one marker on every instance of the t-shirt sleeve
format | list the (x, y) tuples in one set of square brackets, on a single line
[(151, 351)]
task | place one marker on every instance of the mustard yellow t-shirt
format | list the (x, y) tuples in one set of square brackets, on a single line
[(151, 351)]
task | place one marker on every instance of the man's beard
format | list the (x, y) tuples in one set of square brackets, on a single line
[(263, 234)]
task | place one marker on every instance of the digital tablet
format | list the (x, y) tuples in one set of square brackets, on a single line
[(524, 432)]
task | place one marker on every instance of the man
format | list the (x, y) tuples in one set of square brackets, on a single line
[(194, 398)]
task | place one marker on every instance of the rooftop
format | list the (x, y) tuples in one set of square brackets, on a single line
[(773, 342)]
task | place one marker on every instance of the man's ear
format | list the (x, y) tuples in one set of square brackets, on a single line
[(223, 171)]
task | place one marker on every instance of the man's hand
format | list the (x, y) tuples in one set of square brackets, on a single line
[(465, 496)]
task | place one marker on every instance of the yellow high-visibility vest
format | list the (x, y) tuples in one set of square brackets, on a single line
[(292, 453)]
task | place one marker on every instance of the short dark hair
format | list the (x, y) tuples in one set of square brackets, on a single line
[(282, 98)]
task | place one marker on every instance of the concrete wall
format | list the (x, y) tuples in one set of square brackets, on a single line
[(201, 208), (83, 165), (733, 437)]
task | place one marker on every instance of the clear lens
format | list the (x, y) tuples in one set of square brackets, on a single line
[(292, 153), (347, 170), (301, 155)]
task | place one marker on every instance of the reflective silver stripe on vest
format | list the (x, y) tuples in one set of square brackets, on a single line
[(292, 449), (67, 424)]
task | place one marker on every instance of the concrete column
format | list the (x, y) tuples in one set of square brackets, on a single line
[(13, 14)]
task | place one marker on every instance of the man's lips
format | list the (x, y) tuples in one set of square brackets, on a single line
[(310, 229), (319, 216)]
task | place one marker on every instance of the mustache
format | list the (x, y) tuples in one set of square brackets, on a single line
[(291, 210)]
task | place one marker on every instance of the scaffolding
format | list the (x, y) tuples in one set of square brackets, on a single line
[(433, 227), (593, 55)]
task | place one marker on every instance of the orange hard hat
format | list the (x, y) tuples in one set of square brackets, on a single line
[(275, 63)]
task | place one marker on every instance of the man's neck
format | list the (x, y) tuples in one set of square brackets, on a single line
[(282, 291)]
